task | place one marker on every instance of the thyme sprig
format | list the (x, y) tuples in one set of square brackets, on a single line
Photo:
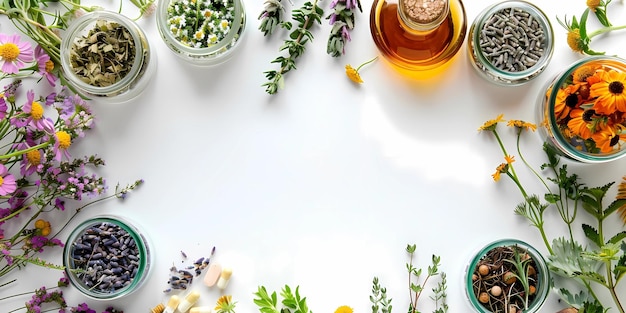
[(342, 20), (379, 300), (599, 263), (306, 17)]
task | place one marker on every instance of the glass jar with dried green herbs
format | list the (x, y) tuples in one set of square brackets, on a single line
[(106, 56), (202, 32)]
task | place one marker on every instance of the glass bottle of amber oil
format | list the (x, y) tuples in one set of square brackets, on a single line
[(418, 36)]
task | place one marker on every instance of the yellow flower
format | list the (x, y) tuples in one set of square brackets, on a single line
[(353, 73), (509, 159), (521, 124), (502, 168), (574, 41), (610, 92), (593, 4), (491, 124), (344, 309), (225, 305)]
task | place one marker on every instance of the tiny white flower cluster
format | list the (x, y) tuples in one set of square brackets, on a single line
[(200, 23)]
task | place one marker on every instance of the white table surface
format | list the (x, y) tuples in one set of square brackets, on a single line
[(325, 183)]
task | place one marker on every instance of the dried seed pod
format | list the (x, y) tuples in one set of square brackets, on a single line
[(483, 269), (496, 291), (509, 278), (483, 297)]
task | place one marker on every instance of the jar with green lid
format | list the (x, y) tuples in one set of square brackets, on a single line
[(106, 56), (202, 32)]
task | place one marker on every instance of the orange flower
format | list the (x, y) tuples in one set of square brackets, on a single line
[(579, 124), (566, 99), (583, 72), (605, 138), (610, 92)]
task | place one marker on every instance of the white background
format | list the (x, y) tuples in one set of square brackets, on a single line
[(325, 183)]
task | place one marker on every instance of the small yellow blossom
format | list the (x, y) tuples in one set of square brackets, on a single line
[(353, 73), (491, 124), (43, 227), (621, 195), (593, 4), (344, 309), (574, 41), (225, 304), (509, 159), (521, 124), (501, 169)]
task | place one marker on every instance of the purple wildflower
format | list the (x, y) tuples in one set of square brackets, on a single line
[(14, 53), (35, 118), (7, 181), (3, 108), (45, 65)]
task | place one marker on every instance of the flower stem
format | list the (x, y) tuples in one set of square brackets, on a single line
[(20, 152), (605, 30), (367, 62)]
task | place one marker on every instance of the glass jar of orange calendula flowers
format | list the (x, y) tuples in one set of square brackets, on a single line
[(583, 111)]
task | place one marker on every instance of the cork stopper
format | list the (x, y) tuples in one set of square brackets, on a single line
[(423, 14)]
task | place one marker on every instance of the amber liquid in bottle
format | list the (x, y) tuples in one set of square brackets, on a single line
[(412, 49)]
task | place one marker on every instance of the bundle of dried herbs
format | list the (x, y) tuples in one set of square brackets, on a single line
[(105, 55)]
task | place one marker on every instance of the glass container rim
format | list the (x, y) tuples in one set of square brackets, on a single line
[(423, 26), (543, 274), (560, 140), (531, 8), (162, 25), (143, 269), (79, 25)]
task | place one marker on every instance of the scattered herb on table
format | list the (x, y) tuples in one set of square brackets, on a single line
[(353, 73), (342, 21), (271, 17), (380, 302), (292, 301), (599, 263), (578, 36), (306, 16), (105, 55), (202, 23)]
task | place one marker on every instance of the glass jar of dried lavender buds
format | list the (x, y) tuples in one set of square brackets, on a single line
[(106, 56), (511, 42), (202, 32), (106, 258)]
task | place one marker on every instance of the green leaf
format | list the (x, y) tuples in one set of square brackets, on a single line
[(592, 234), (583, 25), (614, 206), (618, 237), (567, 261)]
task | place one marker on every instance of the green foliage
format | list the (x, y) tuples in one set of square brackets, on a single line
[(379, 300), (292, 301), (307, 16), (271, 17), (597, 260)]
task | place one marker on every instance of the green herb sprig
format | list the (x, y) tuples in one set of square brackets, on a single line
[(342, 20), (415, 289), (292, 301), (306, 17), (379, 300), (599, 263), (271, 17), (578, 36)]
